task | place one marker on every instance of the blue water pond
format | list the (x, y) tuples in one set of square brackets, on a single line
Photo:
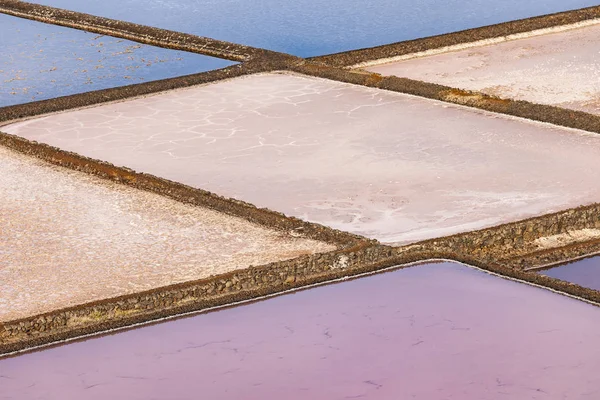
[(316, 27), (41, 61)]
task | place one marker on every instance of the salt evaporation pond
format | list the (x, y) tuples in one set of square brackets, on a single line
[(68, 238), (585, 272), (41, 61), (312, 27), (429, 332), (560, 69), (386, 165)]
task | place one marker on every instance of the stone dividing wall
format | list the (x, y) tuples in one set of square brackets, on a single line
[(499, 268), (354, 57), (550, 257), (518, 108), (352, 250), (237, 52), (130, 31), (330, 67), (21, 111), (181, 192), (267, 61), (485, 249), (215, 291), (488, 248), (513, 240)]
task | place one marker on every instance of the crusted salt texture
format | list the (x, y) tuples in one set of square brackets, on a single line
[(561, 69), (68, 238), (386, 165), (567, 238)]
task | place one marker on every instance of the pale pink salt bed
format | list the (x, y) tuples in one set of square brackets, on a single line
[(68, 238), (431, 332), (386, 165), (561, 69)]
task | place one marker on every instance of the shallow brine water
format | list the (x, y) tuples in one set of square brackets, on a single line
[(436, 331), (584, 272), (313, 27), (41, 61)]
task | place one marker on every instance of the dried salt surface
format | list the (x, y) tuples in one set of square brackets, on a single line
[(430, 332), (564, 239), (67, 238), (386, 165), (561, 69)]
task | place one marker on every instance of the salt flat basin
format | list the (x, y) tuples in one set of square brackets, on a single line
[(68, 238), (385, 165), (314, 27), (560, 69), (42, 61), (585, 272), (429, 332)]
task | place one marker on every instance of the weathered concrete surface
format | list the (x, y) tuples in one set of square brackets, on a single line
[(384, 165), (561, 69), (69, 238), (428, 332)]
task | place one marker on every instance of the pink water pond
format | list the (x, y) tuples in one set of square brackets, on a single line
[(435, 331)]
